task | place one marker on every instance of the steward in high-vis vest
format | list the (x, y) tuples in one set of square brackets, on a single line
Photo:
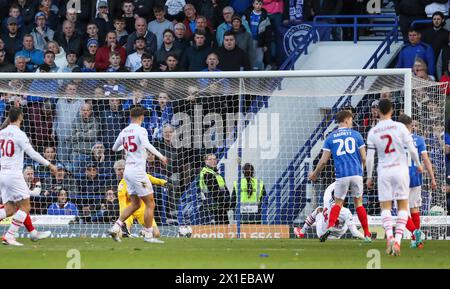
[(214, 192), (252, 192)]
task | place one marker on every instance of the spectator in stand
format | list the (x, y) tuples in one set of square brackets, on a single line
[(141, 30), (180, 40), (119, 168), (79, 25), (49, 59), (21, 64), (13, 38), (66, 112), (110, 207), (175, 11), (202, 25), (194, 57), (437, 36), (243, 38), (159, 25), (167, 48), (85, 133), (275, 11), (27, 10), (189, 21), (212, 9), (147, 64), (240, 6), (446, 78), (161, 115), (228, 13), (122, 33), (101, 160), (33, 182), (50, 155), (113, 121), (133, 62), (409, 10), (72, 61), (42, 34), (60, 54), (92, 47), (14, 12), (420, 65), (103, 19), (115, 61), (103, 54), (63, 206), (68, 38), (144, 9), (128, 15), (5, 66), (171, 63), (51, 13), (92, 33), (90, 184), (40, 117), (61, 180), (231, 57), (34, 57), (416, 49)]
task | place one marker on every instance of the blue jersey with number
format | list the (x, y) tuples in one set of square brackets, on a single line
[(344, 144), (415, 178)]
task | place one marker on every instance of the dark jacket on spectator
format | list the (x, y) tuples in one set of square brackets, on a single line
[(181, 43), (410, 7), (150, 42), (207, 9), (7, 67), (73, 44), (438, 39), (144, 8), (28, 11), (13, 44), (232, 60), (194, 57), (161, 54), (264, 28), (103, 26)]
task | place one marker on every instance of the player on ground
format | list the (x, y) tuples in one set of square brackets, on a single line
[(124, 201), (349, 155), (415, 184), (134, 139), (320, 217), (14, 190), (391, 140)]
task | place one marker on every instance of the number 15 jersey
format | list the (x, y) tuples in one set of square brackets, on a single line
[(390, 139), (344, 144)]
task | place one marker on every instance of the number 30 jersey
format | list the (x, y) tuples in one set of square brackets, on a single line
[(391, 140), (134, 140), (344, 144)]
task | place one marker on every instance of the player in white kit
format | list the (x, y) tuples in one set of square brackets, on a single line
[(14, 190), (320, 216), (391, 140), (134, 140)]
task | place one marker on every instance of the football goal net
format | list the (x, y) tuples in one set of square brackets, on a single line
[(240, 146)]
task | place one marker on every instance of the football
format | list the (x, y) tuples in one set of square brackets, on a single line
[(184, 232)]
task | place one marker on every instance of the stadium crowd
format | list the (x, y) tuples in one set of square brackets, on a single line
[(39, 36)]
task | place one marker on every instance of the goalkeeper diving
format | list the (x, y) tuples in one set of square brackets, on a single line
[(124, 201), (320, 216)]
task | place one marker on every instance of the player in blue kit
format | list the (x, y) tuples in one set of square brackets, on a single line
[(349, 155), (415, 184)]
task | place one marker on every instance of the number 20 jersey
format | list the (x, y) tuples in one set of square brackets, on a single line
[(344, 144)]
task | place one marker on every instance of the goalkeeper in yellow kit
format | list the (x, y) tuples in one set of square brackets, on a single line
[(124, 201)]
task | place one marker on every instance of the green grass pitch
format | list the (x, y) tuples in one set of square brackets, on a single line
[(220, 253)]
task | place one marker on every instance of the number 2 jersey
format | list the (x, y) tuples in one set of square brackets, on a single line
[(134, 140), (391, 140), (13, 144), (344, 144)]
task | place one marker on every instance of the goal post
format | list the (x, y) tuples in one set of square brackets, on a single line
[(271, 123)]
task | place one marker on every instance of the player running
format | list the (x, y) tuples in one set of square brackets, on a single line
[(390, 139), (14, 190), (415, 184), (320, 217), (349, 155), (134, 140)]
